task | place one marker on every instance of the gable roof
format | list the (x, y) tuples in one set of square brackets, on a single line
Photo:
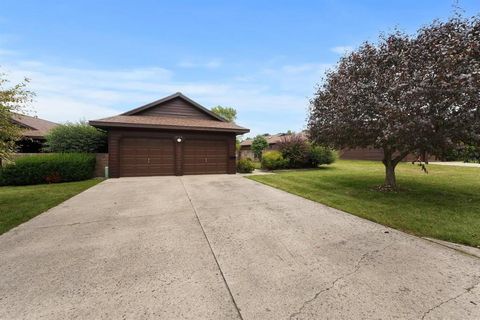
[(132, 119), (33, 127), (171, 97)]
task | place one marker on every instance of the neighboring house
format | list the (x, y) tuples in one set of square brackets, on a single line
[(273, 144), (171, 136), (347, 154), (371, 154), (33, 132)]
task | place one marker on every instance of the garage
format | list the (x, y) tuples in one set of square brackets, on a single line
[(171, 136)]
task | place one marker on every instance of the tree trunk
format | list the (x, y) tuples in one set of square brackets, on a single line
[(390, 164), (390, 179)]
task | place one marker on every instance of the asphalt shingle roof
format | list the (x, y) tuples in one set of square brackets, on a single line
[(33, 127), (168, 123)]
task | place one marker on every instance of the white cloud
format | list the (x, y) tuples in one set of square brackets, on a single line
[(194, 63), (267, 100), (65, 108), (70, 94), (342, 49), (313, 68), (4, 52)]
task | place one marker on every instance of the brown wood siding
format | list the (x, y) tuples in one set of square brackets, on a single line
[(361, 154), (176, 108), (115, 137)]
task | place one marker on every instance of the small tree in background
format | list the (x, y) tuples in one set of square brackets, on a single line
[(228, 113), (295, 149), (76, 137), (404, 95), (13, 99), (259, 144)]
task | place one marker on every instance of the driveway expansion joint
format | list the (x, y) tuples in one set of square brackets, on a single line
[(211, 250)]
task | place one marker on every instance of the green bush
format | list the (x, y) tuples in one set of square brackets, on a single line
[(245, 166), (273, 160), (48, 168), (76, 137), (321, 155), (471, 154), (465, 153)]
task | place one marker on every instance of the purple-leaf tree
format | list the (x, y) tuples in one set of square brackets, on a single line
[(405, 94)]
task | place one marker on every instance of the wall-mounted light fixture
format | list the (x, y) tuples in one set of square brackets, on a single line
[(179, 139)]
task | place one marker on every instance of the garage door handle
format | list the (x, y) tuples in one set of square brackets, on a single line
[(206, 160), (148, 160)]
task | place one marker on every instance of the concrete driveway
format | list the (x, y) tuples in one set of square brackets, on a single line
[(223, 247)]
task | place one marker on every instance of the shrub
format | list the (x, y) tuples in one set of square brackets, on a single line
[(245, 165), (471, 154), (295, 149), (48, 168), (273, 160), (76, 137), (465, 153), (321, 155)]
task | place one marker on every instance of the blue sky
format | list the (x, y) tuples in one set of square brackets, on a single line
[(92, 59)]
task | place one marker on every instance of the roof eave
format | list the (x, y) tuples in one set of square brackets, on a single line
[(101, 124)]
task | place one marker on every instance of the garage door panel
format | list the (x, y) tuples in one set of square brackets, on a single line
[(205, 156), (146, 157)]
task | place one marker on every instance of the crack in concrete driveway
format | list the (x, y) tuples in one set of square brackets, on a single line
[(355, 269), (223, 247), (467, 290)]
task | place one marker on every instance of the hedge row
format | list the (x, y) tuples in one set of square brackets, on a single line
[(309, 157), (48, 168)]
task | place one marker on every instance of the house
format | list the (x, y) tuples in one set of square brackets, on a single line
[(346, 154), (273, 144), (34, 131), (369, 154), (171, 136)]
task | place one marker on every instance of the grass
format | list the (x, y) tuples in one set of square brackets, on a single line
[(20, 204), (443, 204)]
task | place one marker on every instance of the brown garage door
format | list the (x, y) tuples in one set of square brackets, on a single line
[(146, 157), (205, 156)]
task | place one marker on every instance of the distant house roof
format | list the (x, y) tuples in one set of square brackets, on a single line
[(173, 112), (271, 139), (33, 127)]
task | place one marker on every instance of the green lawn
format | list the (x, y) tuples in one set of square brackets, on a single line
[(443, 204), (20, 204)]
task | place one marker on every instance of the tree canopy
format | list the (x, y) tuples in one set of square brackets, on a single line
[(13, 99), (76, 137), (259, 144), (405, 94), (228, 113)]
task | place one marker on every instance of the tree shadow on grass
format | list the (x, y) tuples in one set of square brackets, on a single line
[(321, 168), (425, 190)]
